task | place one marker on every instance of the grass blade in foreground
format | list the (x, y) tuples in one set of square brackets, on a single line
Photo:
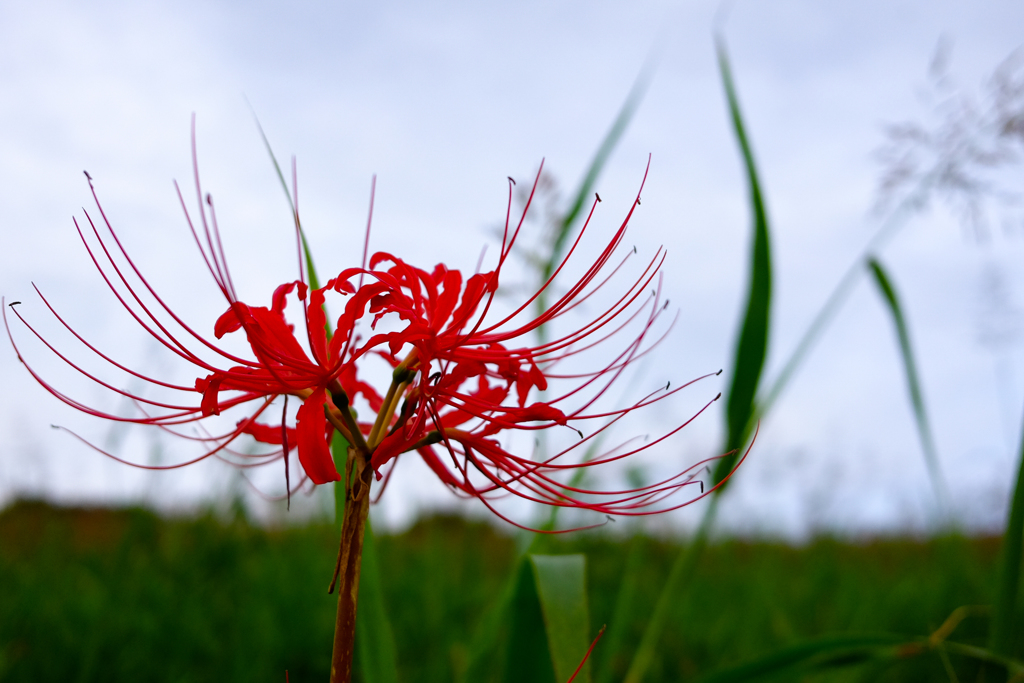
[(549, 621), (527, 657), (562, 590), (314, 281), (752, 344), (914, 386), (1003, 629), (751, 348)]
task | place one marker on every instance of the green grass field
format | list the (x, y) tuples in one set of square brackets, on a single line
[(124, 595)]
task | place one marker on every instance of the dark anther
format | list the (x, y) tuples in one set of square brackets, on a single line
[(718, 373), (511, 180), (668, 384), (666, 305), (634, 248), (209, 199), (579, 432), (433, 378), (54, 426), (719, 396), (88, 177), (598, 196), (638, 201), (610, 518), (13, 304), (701, 486)]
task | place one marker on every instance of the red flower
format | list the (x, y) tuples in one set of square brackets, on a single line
[(464, 378)]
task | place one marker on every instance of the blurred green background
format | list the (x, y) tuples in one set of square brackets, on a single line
[(125, 595)]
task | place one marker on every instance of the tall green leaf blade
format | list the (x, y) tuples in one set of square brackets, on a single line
[(314, 281), (527, 657), (562, 592), (752, 343), (548, 620), (486, 638), (751, 349), (1003, 627), (913, 384), (339, 449)]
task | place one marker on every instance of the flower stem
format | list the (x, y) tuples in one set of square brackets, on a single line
[(357, 506)]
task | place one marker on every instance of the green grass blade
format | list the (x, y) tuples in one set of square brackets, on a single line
[(751, 349), (562, 591), (752, 344), (1003, 627), (314, 281), (913, 384), (827, 652), (527, 657), (339, 449), (484, 645)]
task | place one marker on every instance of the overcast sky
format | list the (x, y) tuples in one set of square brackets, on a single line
[(443, 101)]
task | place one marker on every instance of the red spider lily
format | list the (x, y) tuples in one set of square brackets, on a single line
[(462, 378)]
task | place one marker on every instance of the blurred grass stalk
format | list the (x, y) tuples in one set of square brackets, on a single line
[(751, 349), (1004, 631), (744, 409)]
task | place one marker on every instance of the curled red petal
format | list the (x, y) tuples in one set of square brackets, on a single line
[(311, 430), (227, 322)]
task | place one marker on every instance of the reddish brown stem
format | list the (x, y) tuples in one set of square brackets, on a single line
[(357, 505)]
